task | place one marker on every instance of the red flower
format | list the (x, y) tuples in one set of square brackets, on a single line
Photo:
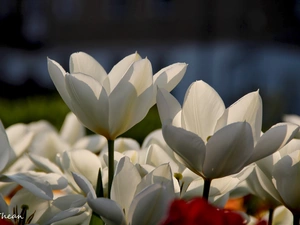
[(199, 211), (5, 222)]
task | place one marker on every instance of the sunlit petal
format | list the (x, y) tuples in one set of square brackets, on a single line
[(82, 162), (249, 109), (169, 77), (71, 129), (286, 179), (168, 107), (273, 139), (201, 109), (93, 143), (81, 62), (87, 93), (119, 70), (137, 92), (156, 156), (125, 180), (57, 74)]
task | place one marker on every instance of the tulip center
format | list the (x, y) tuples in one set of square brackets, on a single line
[(179, 177), (21, 219)]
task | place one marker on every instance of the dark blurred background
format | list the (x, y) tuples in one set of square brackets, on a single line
[(236, 46)]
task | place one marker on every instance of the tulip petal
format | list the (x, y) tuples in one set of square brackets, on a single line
[(5, 150), (40, 126), (154, 137), (266, 164), (228, 150), (57, 74), (249, 109), (189, 146), (94, 143), (35, 204), (286, 175), (261, 185), (275, 138), (84, 184), (201, 109), (61, 205), (125, 180), (130, 107), (150, 205), (82, 162), (20, 137), (52, 144), (168, 107), (156, 156), (228, 183), (65, 214), (144, 169), (292, 118), (289, 147), (81, 62), (89, 102), (108, 209), (69, 201), (169, 77), (35, 185), (282, 216), (120, 69), (44, 164), (123, 144), (3, 205), (161, 174), (71, 129)]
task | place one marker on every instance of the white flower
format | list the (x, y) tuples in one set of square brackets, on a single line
[(213, 141), (261, 181), (286, 178), (110, 104), (134, 200), (35, 210)]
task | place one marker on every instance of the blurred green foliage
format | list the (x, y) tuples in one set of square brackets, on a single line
[(29, 109), (53, 109)]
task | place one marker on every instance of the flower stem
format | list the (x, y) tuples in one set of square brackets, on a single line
[(99, 187), (111, 163), (95, 218), (270, 220), (206, 188), (296, 218)]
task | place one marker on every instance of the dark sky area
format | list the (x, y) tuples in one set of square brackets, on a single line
[(236, 45)]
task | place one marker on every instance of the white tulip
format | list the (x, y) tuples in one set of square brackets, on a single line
[(110, 104)]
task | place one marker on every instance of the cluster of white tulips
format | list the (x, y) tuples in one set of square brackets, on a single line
[(203, 149)]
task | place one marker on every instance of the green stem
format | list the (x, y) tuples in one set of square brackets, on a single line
[(270, 220), (206, 188), (111, 163), (99, 187), (95, 218), (296, 218)]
